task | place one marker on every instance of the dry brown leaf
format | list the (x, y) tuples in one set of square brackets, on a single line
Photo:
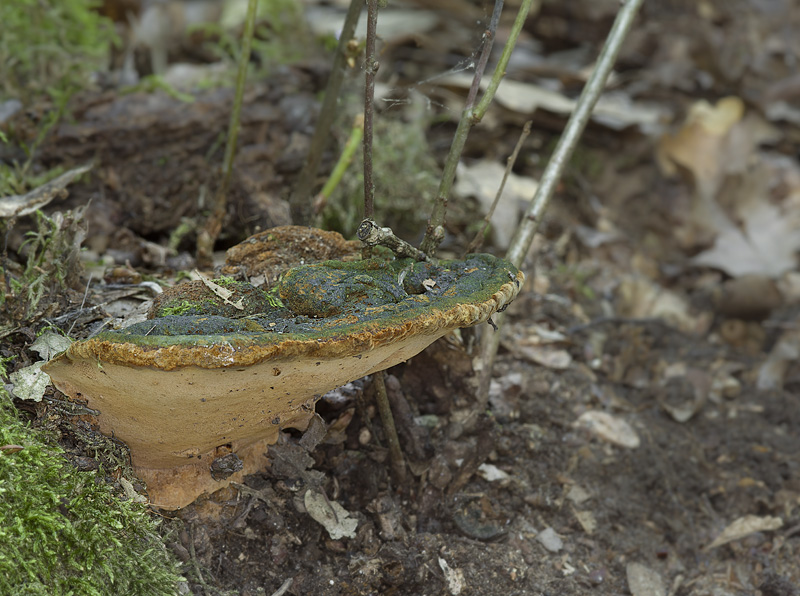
[(609, 428), (699, 144), (549, 356), (744, 526), (765, 244)]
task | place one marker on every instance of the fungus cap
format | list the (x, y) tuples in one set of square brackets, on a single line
[(184, 391)]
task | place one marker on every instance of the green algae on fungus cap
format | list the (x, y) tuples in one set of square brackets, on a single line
[(362, 304), (183, 391)]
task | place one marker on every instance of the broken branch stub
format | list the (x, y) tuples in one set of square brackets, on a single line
[(184, 390), (371, 234)]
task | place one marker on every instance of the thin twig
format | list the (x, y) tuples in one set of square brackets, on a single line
[(521, 242), (381, 399), (208, 236), (434, 231), (385, 411), (284, 587), (301, 202), (477, 242), (371, 67), (488, 42)]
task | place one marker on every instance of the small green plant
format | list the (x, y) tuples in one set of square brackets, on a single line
[(64, 531), (48, 51), (16, 179), (409, 175), (50, 47), (52, 264)]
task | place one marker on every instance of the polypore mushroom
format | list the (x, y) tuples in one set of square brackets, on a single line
[(198, 397)]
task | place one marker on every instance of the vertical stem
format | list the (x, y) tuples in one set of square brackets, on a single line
[(385, 411), (477, 241), (434, 231), (521, 242), (572, 132), (382, 400), (371, 67), (208, 236), (488, 42), (301, 202)]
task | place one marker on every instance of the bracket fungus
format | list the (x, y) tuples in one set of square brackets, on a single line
[(198, 397)]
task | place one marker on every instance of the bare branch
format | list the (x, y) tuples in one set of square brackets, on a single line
[(521, 242), (372, 234), (301, 202), (477, 242), (371, 67), (434, 231)]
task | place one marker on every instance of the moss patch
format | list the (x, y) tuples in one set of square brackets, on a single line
[(64, 532), (333, 299)]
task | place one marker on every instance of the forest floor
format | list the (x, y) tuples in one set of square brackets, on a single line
[(643, 434)]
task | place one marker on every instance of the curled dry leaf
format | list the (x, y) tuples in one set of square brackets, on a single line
[(609, 428), (333, 517), (745, 526), (454, 578)]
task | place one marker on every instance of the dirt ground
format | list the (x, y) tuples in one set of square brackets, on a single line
[(643, 429)]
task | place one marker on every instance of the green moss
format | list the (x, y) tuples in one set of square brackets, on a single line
[(333, 299), (65, 532), (184, 307)]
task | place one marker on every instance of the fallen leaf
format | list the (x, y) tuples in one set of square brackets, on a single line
[(765, 244), (223, 293), (643, 581), (550, 540), (772, 373), (608, 428), (130, 492), (492, 473), (454, 577), (578, 495), (19, 205), (549, 356), (482, 180), (333, 517), (48, 344), (30, 382), (745, 526), (587, 521), (699, 145), (639, 298), (613, 110)]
